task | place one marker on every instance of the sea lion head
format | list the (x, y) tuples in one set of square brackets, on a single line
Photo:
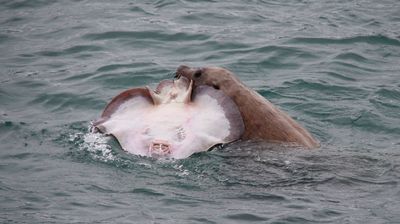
[(216, 77)]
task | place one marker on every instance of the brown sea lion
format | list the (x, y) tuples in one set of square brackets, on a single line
[(262, 120)]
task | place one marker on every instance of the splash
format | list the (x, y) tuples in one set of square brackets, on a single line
[(95, 144)]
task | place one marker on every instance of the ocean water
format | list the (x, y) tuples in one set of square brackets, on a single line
[(332, 65)]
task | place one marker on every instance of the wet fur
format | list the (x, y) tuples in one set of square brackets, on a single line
[(263, 120)]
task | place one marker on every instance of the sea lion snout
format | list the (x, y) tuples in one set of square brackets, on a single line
[(188, 72)]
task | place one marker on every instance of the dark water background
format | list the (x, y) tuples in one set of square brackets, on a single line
[(332, 65)]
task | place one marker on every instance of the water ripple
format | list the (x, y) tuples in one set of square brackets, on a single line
[(246, 217), (147, 192), (27, 3), (372, 40), (72, 50), (145, 35), (63, 101)]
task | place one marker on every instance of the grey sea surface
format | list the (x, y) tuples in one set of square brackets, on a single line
[(332, 65)]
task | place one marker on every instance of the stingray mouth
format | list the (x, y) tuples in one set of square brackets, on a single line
[(180, 82), (177, 90), (159, 148)]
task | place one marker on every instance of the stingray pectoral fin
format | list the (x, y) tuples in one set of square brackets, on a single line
[(217, 115), (136, 94), (131, 140), (195, 142), (125, 118), (97, 125), (124, 109)]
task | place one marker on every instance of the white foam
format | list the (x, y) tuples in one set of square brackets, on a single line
[(94, 143)]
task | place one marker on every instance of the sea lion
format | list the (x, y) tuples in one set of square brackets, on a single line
[(262, 120), (173, 121)]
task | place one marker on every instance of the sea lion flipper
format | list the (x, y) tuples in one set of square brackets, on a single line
[(220, 115)]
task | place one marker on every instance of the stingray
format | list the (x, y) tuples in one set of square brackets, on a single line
[(173, 121)]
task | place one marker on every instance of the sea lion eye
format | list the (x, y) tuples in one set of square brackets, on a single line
[(197, 74), (216, 86)]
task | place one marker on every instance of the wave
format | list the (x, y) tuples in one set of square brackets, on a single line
[(155, 35), (369, 39)]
